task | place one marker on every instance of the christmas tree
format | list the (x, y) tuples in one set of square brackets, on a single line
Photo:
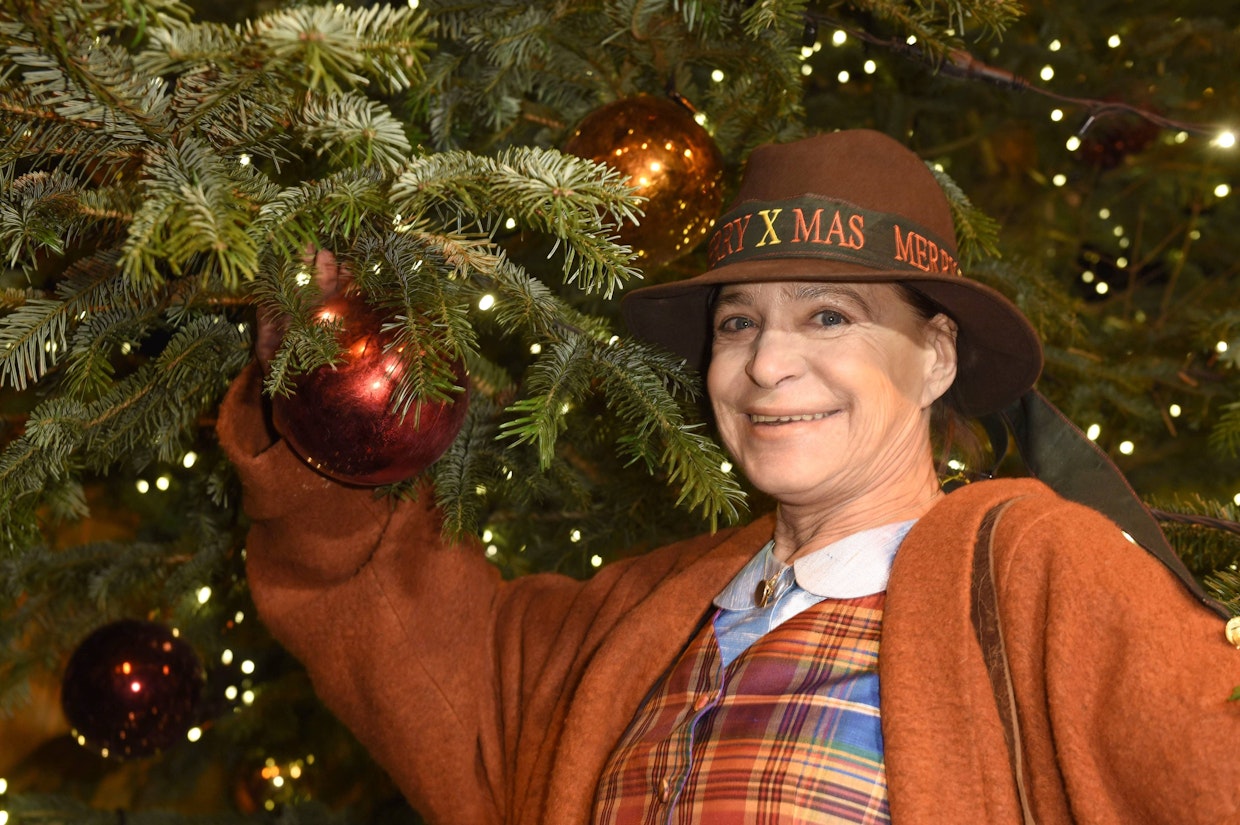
[(170, 169)]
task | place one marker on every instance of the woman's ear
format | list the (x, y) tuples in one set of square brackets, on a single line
[(941, 370)]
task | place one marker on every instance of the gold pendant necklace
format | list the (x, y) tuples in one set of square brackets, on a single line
[(766, 588)]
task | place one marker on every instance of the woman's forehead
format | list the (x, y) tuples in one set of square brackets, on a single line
[(862, 293)]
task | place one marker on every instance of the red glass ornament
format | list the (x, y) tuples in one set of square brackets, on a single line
[(131, 689), (340, 418), (1110, 141), (669, 159)]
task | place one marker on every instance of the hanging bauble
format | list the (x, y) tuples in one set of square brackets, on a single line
[(131, 689), (669, 159), (340, 419), (1110, 141)]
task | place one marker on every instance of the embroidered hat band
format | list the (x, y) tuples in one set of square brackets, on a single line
[(816, 227)]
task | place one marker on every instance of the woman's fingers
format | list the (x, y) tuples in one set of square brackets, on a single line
[(331, 279)]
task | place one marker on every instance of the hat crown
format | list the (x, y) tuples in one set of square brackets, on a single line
[(859, 166)]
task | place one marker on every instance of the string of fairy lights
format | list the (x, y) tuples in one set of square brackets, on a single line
[(841, 36), (964, 65)]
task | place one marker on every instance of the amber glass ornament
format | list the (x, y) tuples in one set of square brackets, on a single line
[(132, 689), (340, 418), (669, 159)]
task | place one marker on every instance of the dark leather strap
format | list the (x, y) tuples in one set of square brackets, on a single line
[(987, 626), (1056, 452)]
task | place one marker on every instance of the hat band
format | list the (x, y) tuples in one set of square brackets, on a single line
[(816, 227)]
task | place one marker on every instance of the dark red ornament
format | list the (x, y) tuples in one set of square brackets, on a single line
[(340, 417), (669, 159), (132, 689), (1110, 141)]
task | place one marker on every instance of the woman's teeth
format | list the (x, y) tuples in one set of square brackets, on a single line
[(787, 419)]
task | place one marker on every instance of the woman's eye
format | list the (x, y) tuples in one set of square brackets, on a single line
[(735, 323), (830, 318)]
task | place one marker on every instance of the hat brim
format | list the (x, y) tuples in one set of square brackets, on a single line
[(999, 356)]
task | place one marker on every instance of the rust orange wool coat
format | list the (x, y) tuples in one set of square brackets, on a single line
[(492, 701)]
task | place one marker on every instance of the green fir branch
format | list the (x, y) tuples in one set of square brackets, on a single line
[(250, 112), (518, 38), (777, 15), (1225, 434), (293, 219), (181, 47), (1205, 533), (35, 135), (45, 451), (570, 198), (641, 386), (146, 416), (526, 303), (1224, 585), (111, 329), (559, 379), (977, 233), (35, 212), (46, 213), (354, 131), (334, 48), (191, 219), (35, 334), (468, 466), (466, 255)]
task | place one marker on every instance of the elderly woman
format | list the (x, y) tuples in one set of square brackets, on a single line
[(875, 650)]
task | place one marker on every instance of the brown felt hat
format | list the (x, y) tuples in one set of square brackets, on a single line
[(848, 206)]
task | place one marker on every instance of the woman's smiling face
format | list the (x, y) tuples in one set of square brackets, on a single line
[(822, 391)]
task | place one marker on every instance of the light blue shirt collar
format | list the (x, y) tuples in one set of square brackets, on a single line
[(855, 566)]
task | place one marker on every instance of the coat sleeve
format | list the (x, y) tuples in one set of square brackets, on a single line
[(1122, 678), (454, 680)]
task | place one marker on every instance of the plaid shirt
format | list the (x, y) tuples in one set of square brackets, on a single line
[(786, 733)]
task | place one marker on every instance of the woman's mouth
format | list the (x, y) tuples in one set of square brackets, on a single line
[(755, 418)]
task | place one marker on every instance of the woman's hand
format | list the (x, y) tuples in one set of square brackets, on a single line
[(331, 279)]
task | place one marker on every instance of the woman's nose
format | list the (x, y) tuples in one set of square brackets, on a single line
[(775, 358)]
